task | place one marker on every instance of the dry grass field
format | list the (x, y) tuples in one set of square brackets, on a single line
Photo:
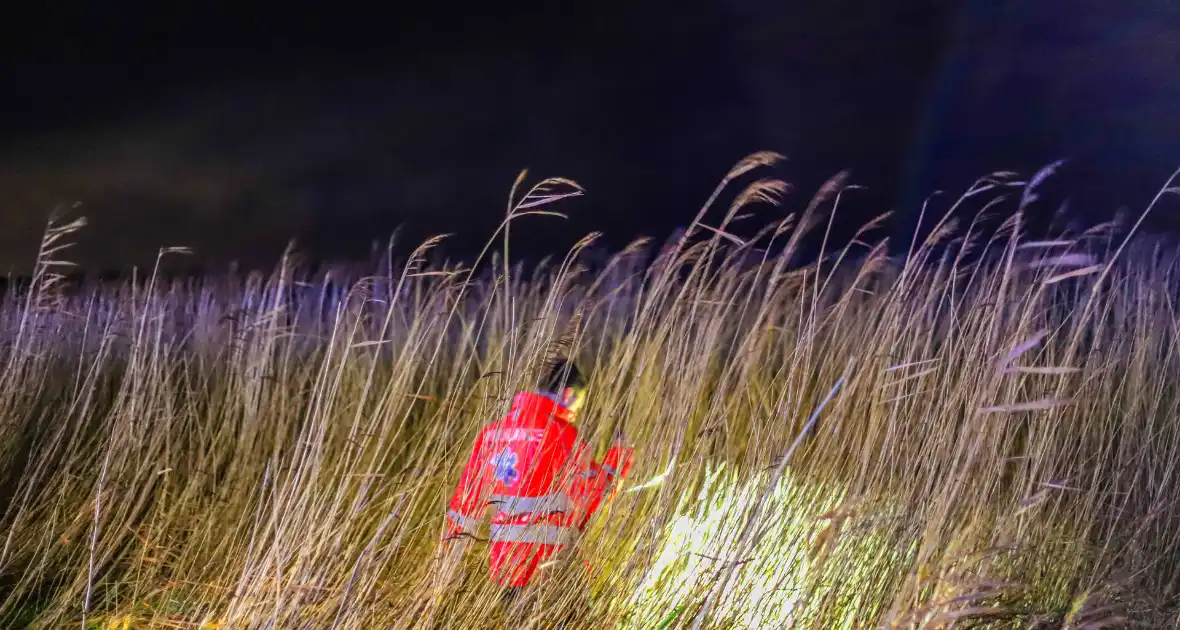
[(982, 434)]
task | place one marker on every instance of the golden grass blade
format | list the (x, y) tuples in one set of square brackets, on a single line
[(1043, 371), (1076, 273), (1024, 346), (1032, 405)]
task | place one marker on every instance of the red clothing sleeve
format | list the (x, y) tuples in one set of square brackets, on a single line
[(601, 482), (469, 501)]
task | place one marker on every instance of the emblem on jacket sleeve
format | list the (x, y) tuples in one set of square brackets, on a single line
[(505, 465)]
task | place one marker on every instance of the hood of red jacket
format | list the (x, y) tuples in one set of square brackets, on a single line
[(534, 404)]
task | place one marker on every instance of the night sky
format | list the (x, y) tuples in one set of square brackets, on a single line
[(234, 128)]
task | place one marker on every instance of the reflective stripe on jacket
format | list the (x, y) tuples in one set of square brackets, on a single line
[(538, 474)]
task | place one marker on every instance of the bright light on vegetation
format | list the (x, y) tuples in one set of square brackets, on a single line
[(773, 581)]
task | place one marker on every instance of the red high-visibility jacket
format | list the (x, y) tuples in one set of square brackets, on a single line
[(540, 475)]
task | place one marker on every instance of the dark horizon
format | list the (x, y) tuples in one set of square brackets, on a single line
[(233, 131)]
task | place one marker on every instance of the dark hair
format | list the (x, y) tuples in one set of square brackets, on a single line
[(561, 374)]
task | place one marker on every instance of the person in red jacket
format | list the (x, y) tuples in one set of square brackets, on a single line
[(539, 474)]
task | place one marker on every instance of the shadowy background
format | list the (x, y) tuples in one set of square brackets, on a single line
[(233, 128)]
